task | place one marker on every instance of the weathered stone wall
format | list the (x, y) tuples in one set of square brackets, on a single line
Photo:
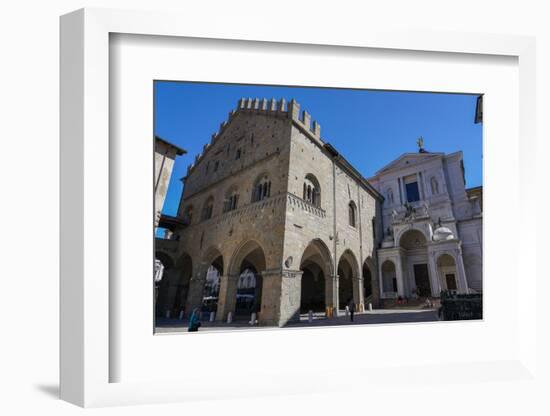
[(271, 140), (330, 221), (260, 137)]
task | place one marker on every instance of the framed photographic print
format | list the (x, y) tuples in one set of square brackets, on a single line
[(249, 212), (270, 203)]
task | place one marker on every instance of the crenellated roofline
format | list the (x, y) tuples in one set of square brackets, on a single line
[(276, 108), (300, 119)]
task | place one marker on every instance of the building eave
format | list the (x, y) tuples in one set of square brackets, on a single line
[(179, 150)]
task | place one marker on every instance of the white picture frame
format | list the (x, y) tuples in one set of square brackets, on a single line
[(85, 344)]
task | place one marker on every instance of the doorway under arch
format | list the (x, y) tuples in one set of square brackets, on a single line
[(416, 277), (248, 263), (347, 274), (211, 289), (171, 291), (446, 268), (316, 265), (389, 277)]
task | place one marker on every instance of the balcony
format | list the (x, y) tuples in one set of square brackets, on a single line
[(305, 206)]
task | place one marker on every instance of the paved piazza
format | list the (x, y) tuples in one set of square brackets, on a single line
[(382, 316)]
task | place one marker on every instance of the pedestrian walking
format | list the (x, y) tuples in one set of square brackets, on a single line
[(194, 321), (351, 307)]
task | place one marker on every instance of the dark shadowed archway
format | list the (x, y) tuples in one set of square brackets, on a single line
[(413, 243), (171, 290), (367, 278), (316, 265), (248, 264), (211, 289), (347, 279)]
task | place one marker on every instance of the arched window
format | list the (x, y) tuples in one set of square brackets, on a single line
[(312, 190), (352, 213), (435, 185), (207, 209), (188, 214), (262, 189), (231, 200)]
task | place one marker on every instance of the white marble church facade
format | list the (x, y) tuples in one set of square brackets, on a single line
[(432, 227)]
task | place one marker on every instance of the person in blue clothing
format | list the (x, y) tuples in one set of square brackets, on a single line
[(194, 321)]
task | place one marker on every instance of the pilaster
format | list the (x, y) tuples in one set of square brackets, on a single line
[(227, 297), (435, 282), (195, 295)]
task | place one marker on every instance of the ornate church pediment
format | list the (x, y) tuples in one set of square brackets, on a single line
[(409, 159)]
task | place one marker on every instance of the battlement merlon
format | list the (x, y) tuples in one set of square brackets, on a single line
[(272, 106), (292, 109)]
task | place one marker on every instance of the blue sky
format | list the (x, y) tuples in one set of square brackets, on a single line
[(369, 128)]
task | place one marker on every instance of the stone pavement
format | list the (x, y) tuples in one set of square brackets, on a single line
[(379, 316)]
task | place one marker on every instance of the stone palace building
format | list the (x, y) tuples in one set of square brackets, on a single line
[(273, 220)]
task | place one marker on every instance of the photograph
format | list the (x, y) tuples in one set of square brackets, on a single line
[(293, 207)]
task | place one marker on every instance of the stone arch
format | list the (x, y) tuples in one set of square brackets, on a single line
[(245, 249), (318, 247), (165, 258), (348, 282), (247, 265), (416, 279), (212, 268), (412, 238), (312, 190), (171, 291), (212, 255), (317, 269), (447, 271)]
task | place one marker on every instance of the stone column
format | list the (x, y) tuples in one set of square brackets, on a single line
[(435, 281), (358, 293), (380, 280), (281, 292), (329, 291), (462, 281), (420, 186), (168, 297), (291, 294), (399, 276), (375, 282), (335, 294), (227, 297), (195, 294)]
